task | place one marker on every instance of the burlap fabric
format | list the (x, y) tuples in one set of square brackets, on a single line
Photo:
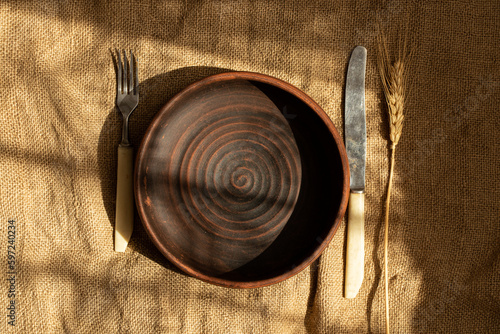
[(59, 134)]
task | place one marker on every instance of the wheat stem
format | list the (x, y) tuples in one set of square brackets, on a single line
[(386, 242)]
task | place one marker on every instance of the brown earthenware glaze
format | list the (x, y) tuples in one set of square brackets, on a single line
[(241, 180)]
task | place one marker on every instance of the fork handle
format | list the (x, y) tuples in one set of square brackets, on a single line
[(124, 223)]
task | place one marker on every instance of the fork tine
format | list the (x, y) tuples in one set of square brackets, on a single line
[(136, 76), (125, 73), (119, 74), (131, 74)]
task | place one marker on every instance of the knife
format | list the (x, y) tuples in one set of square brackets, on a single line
[(355, 140)]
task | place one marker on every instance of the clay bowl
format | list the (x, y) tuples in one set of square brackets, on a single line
[(241, 180)]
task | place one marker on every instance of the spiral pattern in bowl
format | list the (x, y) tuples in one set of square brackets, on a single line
[(223, 174)]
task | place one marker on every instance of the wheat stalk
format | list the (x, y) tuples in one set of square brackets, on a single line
[(394, 82)]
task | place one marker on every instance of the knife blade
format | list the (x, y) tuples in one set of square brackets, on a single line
[(355, 140)]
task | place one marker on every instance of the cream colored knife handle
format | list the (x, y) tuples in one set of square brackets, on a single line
[(355, 257), (124, 223)]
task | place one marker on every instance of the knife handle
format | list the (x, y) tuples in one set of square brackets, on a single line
[(355, 257), (124, 222)]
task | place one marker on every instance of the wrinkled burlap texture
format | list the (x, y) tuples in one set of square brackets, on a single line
[(60, 131)]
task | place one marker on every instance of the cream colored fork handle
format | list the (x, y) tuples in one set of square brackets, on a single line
[(124, 222), (355, 257)]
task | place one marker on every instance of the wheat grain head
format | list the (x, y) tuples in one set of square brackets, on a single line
[(394, 82)]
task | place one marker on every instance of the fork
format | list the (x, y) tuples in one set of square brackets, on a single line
[(127, 99)]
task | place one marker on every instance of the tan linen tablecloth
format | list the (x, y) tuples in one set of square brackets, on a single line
[(59, 134)]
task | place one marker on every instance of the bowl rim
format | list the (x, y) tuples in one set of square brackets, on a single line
[(266, 79)]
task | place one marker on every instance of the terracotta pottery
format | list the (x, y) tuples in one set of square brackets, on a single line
[(241, 180)]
